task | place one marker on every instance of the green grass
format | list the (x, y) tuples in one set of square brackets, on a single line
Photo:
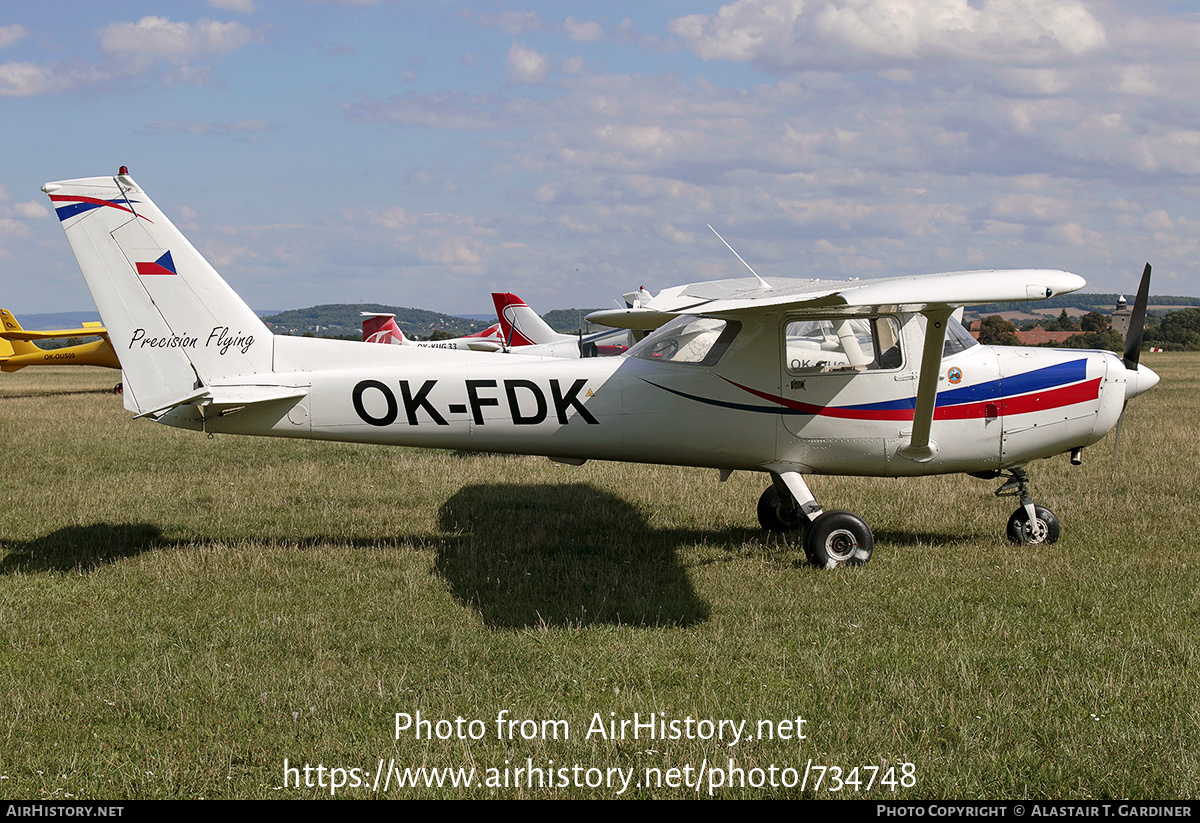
[(179, 614)]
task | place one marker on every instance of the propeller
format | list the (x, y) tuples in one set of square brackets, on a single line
[(1133, 350), (1137, 323)]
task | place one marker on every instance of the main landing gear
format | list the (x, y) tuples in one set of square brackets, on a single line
[(838, 538), (832, 538), (1030, 525)]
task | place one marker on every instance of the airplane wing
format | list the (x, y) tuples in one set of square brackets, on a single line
[(748, 296), (10, 329), (915, 293), (53, 334)]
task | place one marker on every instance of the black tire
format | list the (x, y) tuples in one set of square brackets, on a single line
[(838, 538), (774, 516), (1020, 533)]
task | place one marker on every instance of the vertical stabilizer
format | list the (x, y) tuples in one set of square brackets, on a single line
[(378, 327), (14, 348), (521, 325), (175, 324)]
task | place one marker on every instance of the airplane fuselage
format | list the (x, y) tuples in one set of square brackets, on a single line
[(756, 405)]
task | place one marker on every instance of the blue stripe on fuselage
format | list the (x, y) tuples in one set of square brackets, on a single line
[(1050, 377)]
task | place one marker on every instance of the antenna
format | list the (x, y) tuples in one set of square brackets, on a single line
[(761, 282)]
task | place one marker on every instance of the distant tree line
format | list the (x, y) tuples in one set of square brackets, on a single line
[(1175, 331)]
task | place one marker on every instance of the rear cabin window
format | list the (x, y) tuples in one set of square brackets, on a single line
[(830, 344)]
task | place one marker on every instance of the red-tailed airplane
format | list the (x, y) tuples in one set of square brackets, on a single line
[(380, 327), (521, 326), (787, 377)]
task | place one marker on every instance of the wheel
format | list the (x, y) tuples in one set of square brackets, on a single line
[(1044, 530), (838, 538), (775, 516)]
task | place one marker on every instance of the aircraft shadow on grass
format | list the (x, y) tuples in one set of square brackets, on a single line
[(82, 547), (567, 555), (65, 393), (523, 556)]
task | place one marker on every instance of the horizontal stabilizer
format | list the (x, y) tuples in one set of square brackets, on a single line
[(636, 319), (221, 396)]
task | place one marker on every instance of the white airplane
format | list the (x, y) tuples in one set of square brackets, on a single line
[(525, 332), (380, 327), (789, 378)]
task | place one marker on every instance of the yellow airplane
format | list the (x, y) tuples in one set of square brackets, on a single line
[(17, 349)]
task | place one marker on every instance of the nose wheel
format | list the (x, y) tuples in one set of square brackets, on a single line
[(1031, 524), (1024, 530)]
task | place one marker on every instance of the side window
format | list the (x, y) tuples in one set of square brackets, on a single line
[(842, 344)]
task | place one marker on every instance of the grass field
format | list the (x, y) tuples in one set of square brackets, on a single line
[(180, 615)]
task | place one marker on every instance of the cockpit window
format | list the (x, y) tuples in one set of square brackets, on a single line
[(697, 340), (958, 339), (842, 344)]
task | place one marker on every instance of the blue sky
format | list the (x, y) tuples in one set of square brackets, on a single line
[(429, 153)]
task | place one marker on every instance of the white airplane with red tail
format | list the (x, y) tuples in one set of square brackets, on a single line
[(380, 327), (525, 332), (787, 377)]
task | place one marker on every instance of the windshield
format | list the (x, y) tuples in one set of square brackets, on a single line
[(958, 339), (688, 339)]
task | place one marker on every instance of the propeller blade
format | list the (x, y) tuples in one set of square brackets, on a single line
[(1137, 323)]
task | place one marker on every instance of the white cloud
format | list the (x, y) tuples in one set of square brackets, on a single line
[(30, 210), (786, 35), (160, 38), (11, 34), (526, 65), (513, 22), (583, 31), (27, 79), (13, 228), (243, 6)]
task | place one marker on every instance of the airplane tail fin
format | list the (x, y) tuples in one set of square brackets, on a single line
[(8, 321), (381, 328), (6, 347), (520, 324), (14, 348), (175, 324)]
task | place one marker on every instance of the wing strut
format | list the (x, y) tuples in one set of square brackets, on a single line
[(921, 448)]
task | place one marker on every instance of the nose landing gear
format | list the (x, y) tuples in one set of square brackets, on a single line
[(1030, 525)]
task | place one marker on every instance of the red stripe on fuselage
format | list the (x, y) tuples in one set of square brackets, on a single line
[(1005, 406)]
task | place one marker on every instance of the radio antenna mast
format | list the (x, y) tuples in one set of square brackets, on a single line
[(761, 282)]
